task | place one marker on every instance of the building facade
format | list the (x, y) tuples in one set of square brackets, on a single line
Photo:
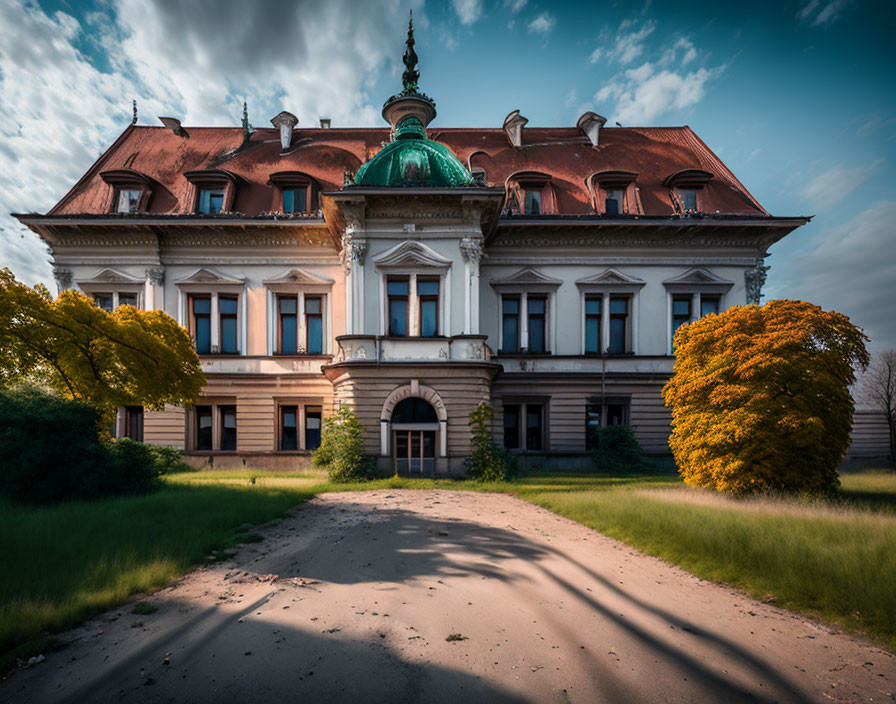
[(413, 273)]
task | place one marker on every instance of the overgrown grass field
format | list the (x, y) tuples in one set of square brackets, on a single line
[(831, 559)]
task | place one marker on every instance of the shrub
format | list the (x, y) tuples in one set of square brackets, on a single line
[(760, 398), (617, 451), (51, 451), (341, 448), (487, 462), (169, 460)]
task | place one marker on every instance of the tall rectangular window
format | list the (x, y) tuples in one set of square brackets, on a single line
[(227, 311), (428, 295), (204, 428), (128, 200), (613, 201), (618, 325), (289, 428), (104, 301), (313, 420), (536, 309), (709, 305), (201, 309), (593, 412), (681, 312), (228, 428), (592, 324), (534, 426), (127, 299), (512, 427), (688, 198), (397, 290), (211, 200), (289, 322), (533, 202), (510, 333), (133, 423), (295, 200), (609, 412), (314, 326)]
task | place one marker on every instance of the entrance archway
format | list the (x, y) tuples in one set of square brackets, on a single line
[(414, 428)]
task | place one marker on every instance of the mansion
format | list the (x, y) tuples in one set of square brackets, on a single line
[(413, 273)]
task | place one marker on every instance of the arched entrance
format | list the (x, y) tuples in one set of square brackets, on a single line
[(414, 428)]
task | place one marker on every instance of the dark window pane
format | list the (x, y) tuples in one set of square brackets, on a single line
[(592, 334), (617, 335), (228, 335), (228, 305), (533, 202), (211, 200), (611, 206), (592, 306), (688, 197), (681, 306), (398, 317), (615, 414), (708, 306), (294, 200), (315, 331), (414, 410), (397, 287), (592, 423), (618, 306), (134, 423), (288, 334), (312, 429), (312, 305), (202, 306), (533, 427), (203, 428), (511, 306), (288, 305), (104, 301), (289, 437), (427, 288), (228, 428), (536, 334), (536, 305), (512, 427), (203, 334), (428, 318), (510, 338)]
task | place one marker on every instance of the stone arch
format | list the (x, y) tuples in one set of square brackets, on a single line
[(418, 390)]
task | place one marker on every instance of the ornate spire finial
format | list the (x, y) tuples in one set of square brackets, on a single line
[(134, 119), (411, 73), (245, 116)]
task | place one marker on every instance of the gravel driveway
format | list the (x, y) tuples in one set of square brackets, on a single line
[(444, 596)]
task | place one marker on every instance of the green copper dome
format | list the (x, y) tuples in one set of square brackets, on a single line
[(413, 160)]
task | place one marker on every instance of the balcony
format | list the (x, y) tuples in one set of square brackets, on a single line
[(460, 348)]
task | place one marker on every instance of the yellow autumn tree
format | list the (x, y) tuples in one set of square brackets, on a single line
[(760, 397), (126, 357)]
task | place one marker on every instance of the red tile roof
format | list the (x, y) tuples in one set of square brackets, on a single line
[(325, 154)]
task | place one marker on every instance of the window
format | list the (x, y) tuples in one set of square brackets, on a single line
[(133, 423), (510, 334), (397, 290), (533, 202), (592, 325), (709, 305), (203, 428), (127, 299), (289, 321), (618, 324), (603, 414), (613, 202), (104, 301), (211, 200), (128, 200), (428, 296), (688, 198), (681, 312), (518, 436), (201, 313), (314, 326), (228, 428), (536, 307), (295, 200), (289, 428), (313, 418), (227, 312)]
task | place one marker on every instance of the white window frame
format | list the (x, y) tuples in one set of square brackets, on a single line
[(411, 273), (695, 283), (214, 292), (524, 284), (611, 284)]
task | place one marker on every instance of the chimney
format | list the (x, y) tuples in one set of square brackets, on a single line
[(173, 124), (513, 128), (590, 124), (286, 121), (325, 123)]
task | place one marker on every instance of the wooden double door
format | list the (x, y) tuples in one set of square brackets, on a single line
[(414, 451)]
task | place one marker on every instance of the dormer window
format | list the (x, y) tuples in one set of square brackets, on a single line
[(533, 202), (215, 190), (128, 200), (130, 190), (295, 200), (530, 193), (614, 193), (294, 192), (613, 201), (686, 189)]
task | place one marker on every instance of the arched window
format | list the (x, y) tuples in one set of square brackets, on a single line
[(414, 410)]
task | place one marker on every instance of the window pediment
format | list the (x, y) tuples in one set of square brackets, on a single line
[(698, 280), (110, 277), (299, 277), (412, 254), (688, 178), (206, 279), (611, 278), (527, 278), (614, 178), (126, 177)]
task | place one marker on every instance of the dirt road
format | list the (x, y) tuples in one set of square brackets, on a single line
[(440, 596)]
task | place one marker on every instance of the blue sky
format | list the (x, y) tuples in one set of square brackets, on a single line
[(798, 98)]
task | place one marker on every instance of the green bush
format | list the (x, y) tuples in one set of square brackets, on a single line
[(169, 460), (618, 451), (50, 451), (341, 448), (487, 462)]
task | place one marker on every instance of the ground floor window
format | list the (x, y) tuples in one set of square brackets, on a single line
[(524, 426), (228, 428), (300, 424), (203, 439), (133, 423), (313, 421), (602, 414), (214, 428)]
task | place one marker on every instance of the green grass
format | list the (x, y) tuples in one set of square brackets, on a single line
[(833, 560)]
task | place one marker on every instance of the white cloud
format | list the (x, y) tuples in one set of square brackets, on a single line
[(830, 187), (595, 55), (642, 94), (542, 24), (625, 45), (819, 13), (468, 11), (60, 112), (571, 98), (515, 5), (682, 44)]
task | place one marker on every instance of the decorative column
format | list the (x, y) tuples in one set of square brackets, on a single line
[(754, 279), (471, 249), (349, 279), (63, 277), (155, 292), (359, 253)]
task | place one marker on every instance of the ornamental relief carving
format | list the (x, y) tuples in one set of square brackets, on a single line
[(754, 280), (626, 242)]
